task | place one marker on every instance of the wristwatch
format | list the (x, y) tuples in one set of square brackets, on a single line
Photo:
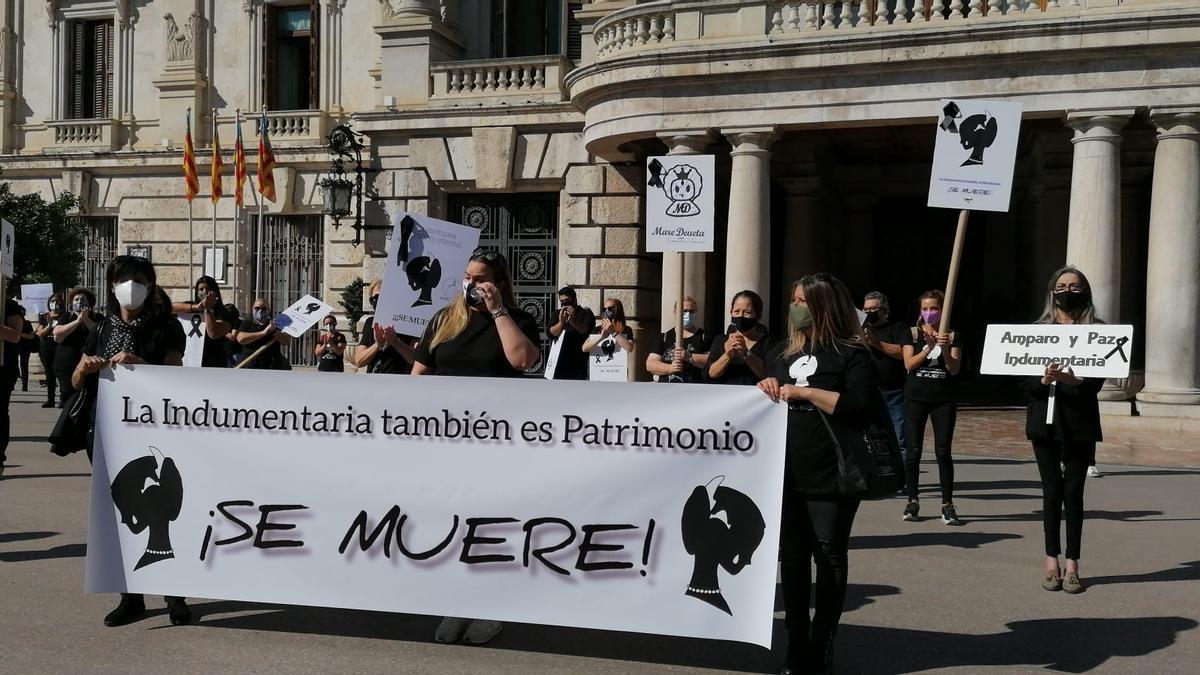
[(499, 312)]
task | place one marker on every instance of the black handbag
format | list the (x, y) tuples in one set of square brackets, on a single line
[(868, 459), (70, 433)]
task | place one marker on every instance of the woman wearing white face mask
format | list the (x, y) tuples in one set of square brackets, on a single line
[(48, 347), (71, 333), (140, 329)]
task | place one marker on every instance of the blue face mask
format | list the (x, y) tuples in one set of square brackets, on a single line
[(689, 319), (261, 315)]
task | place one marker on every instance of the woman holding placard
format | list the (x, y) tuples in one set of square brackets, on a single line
[(933, 359), (208, 305), (481, 333), (1066, 447), (828, 378), (612, 333), (739, 356)]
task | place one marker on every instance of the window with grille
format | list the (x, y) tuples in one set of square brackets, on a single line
[(89, 69), (99, 248), (289, 263)]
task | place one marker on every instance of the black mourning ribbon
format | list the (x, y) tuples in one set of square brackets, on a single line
[(312, 307), (1119, 349), (196, 321), (406, 230), (656, 168)]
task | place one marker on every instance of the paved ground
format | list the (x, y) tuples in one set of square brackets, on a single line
[(923, 598)]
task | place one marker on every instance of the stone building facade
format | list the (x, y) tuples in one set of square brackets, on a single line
[(532, 119)]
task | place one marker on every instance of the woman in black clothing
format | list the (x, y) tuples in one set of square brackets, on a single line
[(480, 334), (738, 356), (932, 361), (1065, 448), (70, 334), (10, 333), (47, 346), (613, 333), (207, 302), (139, 329), (824, 370), (331, 347), (381, 350)]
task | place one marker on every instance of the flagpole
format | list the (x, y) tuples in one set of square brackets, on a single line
[(237, 197), (258, 243), (216, 198), (191, 241)]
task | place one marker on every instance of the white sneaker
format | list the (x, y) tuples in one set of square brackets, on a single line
[(481, 632), (1093, 472), (450, 630)]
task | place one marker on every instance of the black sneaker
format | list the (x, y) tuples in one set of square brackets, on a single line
[(911, 511), (950, 516), (180, 613)]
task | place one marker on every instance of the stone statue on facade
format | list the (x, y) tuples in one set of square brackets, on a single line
[(179, 43)]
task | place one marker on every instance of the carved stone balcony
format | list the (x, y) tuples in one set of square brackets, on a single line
[(534, 79), (96, 135), (294, 127)]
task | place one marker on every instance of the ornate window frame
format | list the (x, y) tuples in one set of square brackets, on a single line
[(58, 14)]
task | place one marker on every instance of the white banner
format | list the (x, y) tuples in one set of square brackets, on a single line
[(194, 330), (36, 297), (568, 503), (975, 154), (8, 242), (302, 315), (607, 362), (426, 261), (1091, 350), (680, 202), (552, 357)]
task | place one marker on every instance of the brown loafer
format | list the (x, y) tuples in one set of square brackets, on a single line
[(1052, 582), (1071, 583)]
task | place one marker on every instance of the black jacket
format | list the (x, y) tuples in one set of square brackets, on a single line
[(1076, 413)]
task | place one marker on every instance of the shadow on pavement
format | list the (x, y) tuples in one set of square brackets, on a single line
[(1068, 645), (955, 539), (1189, 572), (9, 537), (1123, 516), (1153, 472), (972, 485), (28, 439), (991, 461), (65, 551), (46, 475)]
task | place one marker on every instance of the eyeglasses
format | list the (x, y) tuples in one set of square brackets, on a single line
[(825, 277), (1074, 288)]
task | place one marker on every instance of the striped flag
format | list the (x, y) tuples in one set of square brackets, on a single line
[(239, 166), (266, 161), (216, 162), (190, 179)]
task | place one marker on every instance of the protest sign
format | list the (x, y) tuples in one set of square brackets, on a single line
[(569, 503), (194, 330), (974, 156), (607, 362), (1090, 350), (680, 202), (426, 260), (302, 315), (552, 357), (36, 297), (8, 242)]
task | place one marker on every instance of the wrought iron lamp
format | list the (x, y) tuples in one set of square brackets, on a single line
[(339, 195)]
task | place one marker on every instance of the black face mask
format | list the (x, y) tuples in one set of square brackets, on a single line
[(744, 324), (872, 318), (1069, 301), (471, 293), (610, 314), (374, 300)]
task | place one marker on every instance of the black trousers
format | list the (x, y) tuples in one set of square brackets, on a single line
[(815, 528), (943, 415), (1063, 468), (24, 370), (64, 385), (8, 381), (47, 357)]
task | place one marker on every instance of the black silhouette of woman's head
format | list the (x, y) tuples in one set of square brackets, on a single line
[(977, 133), (148, 492), (721, 527), (424, 271)]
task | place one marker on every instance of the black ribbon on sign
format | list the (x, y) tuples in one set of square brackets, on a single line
[(196, 321), (1119, 349), (312, 307), (406, 229), (656, 168)]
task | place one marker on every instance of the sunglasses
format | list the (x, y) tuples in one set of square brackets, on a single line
[(488, 255)]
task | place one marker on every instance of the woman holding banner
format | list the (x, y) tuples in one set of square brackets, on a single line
[(70, 334), (1064, 448), (139, 329), (828, 378), (380, 350), (208, 306), (933, 361), (738, 357), (480, 334)]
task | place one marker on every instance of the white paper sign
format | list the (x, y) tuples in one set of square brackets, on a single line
[(194, 330), (36, 297), (8, 243), (302, 315), (552, 358), (524, 501), (680, 202), (1091, 350), (426, 261), (607, 362), (975, 154)]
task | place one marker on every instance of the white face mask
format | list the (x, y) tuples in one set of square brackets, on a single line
[(130, 294)]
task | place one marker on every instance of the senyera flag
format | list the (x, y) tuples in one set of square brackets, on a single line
[(266, 161), (190, 179), (239, 165), (217, 164)]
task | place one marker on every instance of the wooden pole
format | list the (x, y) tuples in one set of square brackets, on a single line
[(952, 279), (246, 361), (3, 288), (679, 304)]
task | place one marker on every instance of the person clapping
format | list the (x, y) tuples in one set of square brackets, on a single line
[(612, 333), (738, 357)]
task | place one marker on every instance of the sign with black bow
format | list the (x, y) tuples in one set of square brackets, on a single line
[(680, 202), (1090, 350)]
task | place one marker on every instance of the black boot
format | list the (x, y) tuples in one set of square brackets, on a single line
[(819, 659), (130, 609), (181, 614)]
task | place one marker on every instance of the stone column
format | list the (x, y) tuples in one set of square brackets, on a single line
[(747, 251), (1173, 262), (1094, 222), (695, 264)]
